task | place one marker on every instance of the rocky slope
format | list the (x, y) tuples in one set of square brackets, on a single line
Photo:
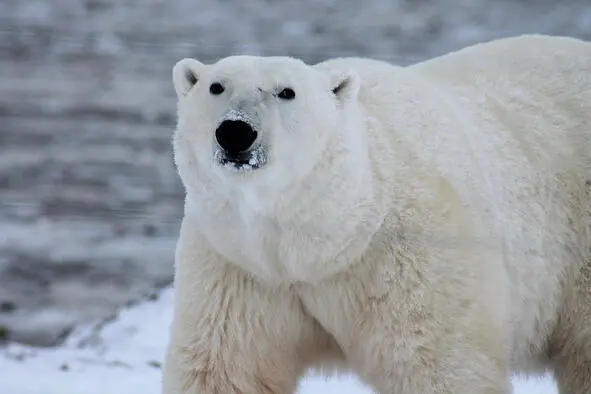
[(89, 200)]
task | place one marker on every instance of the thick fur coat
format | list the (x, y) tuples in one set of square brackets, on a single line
[(427, 227)]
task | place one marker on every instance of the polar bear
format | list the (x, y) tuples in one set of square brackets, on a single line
[(427, 227)]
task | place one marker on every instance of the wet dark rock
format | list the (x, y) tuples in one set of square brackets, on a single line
[(7, 306)]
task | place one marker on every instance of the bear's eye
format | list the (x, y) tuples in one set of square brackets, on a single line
[(216, 88), (286, 94)]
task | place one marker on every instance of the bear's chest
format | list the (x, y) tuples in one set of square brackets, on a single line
[(260, 245), (275, 249)]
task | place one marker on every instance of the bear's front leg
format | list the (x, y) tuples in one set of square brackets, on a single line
[(232, 334), (414, 323)]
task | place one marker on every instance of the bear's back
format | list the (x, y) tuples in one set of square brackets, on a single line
[(546, 60)]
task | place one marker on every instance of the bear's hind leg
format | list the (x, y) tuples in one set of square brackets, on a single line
[(574, 376), (570, 346)]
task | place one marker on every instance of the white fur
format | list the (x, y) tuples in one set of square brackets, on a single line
[(428, 227)]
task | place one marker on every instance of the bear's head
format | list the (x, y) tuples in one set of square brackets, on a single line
[(258, 120)]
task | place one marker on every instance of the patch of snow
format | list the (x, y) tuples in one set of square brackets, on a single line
[(125, 355)]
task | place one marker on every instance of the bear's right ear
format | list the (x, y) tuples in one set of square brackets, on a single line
[(185, 75), (345, 85)]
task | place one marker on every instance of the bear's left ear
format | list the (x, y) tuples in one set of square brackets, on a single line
[(185, 75), (345, 86)]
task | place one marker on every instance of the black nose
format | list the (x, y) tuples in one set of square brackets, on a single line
[(235, 136)]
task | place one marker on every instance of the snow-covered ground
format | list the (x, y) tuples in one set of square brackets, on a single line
[(124, 356)]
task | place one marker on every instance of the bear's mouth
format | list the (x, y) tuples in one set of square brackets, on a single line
[(244, 161)]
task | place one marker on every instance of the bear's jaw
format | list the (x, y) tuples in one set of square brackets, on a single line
[(244, 162)]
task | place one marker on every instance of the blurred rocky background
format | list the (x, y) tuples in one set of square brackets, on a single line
[(90, 202)]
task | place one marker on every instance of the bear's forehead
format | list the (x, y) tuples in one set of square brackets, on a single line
[(258, 68)]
